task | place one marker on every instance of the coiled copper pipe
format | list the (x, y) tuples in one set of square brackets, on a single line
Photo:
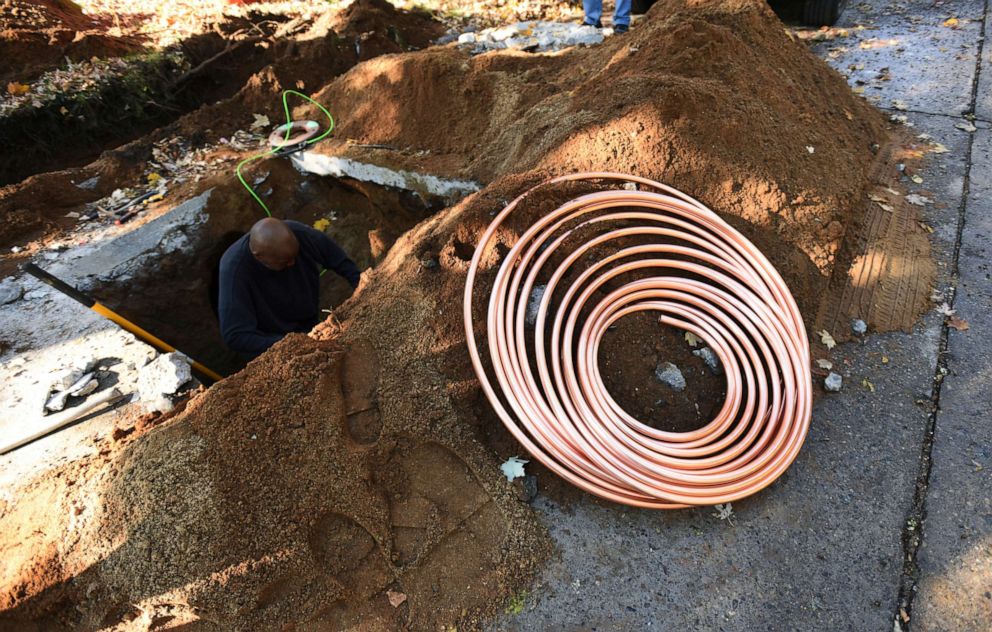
[(703, 277)]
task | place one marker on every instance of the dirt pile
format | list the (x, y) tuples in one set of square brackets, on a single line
[(38, 35), (714, 98), (357, 464), (296, 493)]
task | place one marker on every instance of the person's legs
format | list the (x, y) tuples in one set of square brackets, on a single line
[(594, 10), (622, 13)]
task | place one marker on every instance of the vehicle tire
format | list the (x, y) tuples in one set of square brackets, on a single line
[(640, 7), (822, 12)]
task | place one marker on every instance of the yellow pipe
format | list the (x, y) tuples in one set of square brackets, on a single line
[(149, 338)]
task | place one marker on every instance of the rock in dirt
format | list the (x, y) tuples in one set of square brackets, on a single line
[(859, 327), (670, 375), (161, 377), (10, 291), (833, 382), (56, 402), (712, 362)]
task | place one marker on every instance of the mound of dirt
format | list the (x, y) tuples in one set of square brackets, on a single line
[(711, 97), (356, 466), (39, 35)]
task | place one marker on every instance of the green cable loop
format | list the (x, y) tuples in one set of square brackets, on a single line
[(289, 122)]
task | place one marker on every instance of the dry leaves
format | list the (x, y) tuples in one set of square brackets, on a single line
[(827, 339), (958, 323), (17, 89)]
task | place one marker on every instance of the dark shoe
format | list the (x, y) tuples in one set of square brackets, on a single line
[(598, 24), (619, 29)]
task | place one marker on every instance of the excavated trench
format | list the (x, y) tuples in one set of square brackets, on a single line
[(173, 293)]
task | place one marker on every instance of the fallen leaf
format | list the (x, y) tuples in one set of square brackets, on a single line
[(867, 384), (17, 89), (900, 105), (958, 323), (825, 364), (513, 468), (937, 148), (849, 116), (321, 224), (692, 339), (918, 200), (261, 121), (945, 309), (968, 127), (724, 512), (925, 226), (395, 598), (885, 207), (885, 359), (917, 179), (827, 339), (951, 22), (153, 178), (63, 111)]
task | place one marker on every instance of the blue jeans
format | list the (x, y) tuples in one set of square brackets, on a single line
[(594, 11)]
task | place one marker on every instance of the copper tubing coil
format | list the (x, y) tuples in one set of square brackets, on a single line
[(703, 277)]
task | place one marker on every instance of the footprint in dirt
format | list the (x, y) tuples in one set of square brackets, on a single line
[(347, 552), (359, 382), (446, 532)]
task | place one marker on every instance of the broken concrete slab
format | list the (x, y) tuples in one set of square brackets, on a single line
[(127, 253), (10, 291), (161, 378), (425, 185)]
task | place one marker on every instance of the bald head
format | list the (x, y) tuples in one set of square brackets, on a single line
[(273, 244)]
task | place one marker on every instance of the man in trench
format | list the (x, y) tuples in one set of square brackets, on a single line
[(270, 283)]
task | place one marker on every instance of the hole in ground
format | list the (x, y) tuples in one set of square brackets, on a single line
[(174, 296), (628, 356)]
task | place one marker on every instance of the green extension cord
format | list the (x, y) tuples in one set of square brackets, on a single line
[(289, 122)]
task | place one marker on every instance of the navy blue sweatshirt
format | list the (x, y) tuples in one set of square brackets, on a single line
[(258, 306)]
